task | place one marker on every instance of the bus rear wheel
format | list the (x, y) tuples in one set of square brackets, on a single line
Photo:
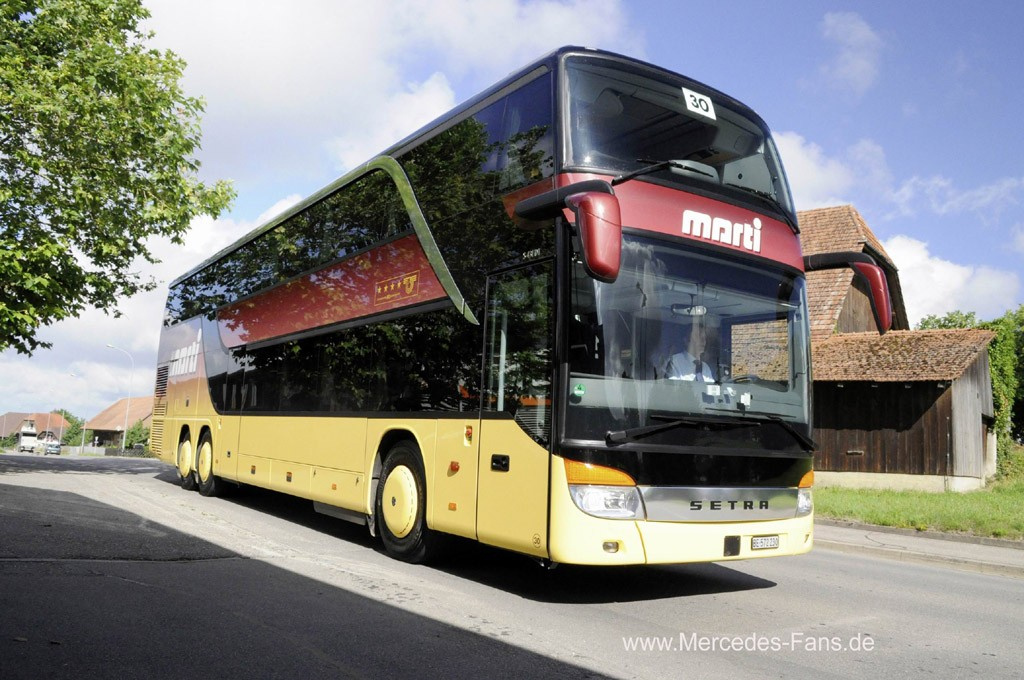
[(209, 484), (186, 475), (400, 505)]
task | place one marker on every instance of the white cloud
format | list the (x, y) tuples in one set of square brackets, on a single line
[(861, 174), (820, 180), (816, 179), (393, 119), (273, 211), (287, 84), (465, 31), (940, 196), (932, 285), (855, 66)]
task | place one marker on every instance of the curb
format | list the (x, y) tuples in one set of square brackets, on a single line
[(903, 555), (938, 535), (930, 552)]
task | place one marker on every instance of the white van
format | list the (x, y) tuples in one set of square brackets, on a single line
[(27, 437)]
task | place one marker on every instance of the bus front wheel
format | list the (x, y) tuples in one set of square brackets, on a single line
[(401, 505), (209, 485), (186, 475)]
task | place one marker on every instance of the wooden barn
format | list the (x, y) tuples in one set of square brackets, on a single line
[(915, 406), (910, 409)]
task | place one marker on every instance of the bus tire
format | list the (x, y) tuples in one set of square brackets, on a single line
[(401, 506), (209, 484), (186, 473)]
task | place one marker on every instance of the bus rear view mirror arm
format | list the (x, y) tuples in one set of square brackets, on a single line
[(597, 220), (865, 269)]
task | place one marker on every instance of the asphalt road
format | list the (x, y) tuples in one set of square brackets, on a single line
[(108, 569)]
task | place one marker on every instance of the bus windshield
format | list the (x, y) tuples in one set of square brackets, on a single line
[(681, 336), (622, 118)]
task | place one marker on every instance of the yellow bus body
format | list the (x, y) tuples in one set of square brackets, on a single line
[(526, 509)]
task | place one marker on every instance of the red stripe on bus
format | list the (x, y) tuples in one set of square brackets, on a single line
[(644, 205), (391, 276)]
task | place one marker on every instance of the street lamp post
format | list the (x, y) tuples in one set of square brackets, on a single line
[(131, 376), (49, 399), (82, 447)]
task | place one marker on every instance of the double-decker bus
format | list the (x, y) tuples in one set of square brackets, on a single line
[(567, 319)]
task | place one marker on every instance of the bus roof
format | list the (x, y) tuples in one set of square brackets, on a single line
[(439, 124)]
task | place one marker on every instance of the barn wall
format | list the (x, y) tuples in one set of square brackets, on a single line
[(972, 401), (896, 427), (856, 315)]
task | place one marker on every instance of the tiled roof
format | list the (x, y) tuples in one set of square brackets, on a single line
[(13, 422), (837, 229), (10, 422), (826, 291), (112, 417), (898, 356)]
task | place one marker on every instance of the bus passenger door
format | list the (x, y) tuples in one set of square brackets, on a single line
[(515, 427)]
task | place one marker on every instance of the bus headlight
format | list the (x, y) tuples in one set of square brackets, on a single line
[(804, 503), (612, 502)]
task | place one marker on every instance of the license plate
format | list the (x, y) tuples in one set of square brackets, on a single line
[(764, 542)]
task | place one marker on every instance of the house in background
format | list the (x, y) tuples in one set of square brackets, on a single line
[(11, 423), (908, 409), (108, 425)]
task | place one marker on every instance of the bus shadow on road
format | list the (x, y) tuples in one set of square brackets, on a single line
[(511, 572), (88, 586), (572, 584)]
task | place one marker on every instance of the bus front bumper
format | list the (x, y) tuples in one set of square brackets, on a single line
[(580, 538)]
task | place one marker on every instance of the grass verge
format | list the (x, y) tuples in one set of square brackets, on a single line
[(996, 511)]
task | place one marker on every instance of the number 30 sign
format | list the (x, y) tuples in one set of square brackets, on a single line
[(699, 104)]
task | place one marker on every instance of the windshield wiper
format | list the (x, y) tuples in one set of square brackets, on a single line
[(765, 197), (620, 436), (657, 166), (806, 442)]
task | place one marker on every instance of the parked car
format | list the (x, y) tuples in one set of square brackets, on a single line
[(52, 447)]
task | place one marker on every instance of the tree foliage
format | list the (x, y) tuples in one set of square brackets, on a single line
[(954, 319), (73, 432), (137, 434), (97, 144)]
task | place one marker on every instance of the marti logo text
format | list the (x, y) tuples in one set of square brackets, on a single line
[(185, 359), (746, 235)]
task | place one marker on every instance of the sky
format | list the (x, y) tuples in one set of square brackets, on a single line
[(907, 110)]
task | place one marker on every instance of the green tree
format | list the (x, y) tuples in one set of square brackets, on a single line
[(1015, 321), (954, 319), (73, 432), (97, 144), (137, 434)]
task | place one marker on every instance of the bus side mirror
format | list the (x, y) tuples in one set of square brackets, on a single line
[(598, 222), (865, 268), (881, 303), (600, 228)]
